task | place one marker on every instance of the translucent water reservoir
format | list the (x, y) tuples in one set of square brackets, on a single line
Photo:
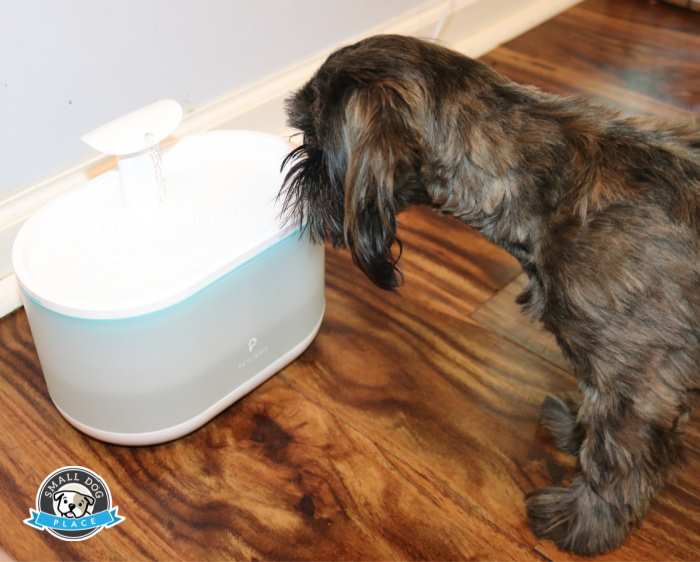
[(152, 314)]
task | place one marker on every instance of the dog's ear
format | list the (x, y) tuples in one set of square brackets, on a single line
[(90, 500), (381, 154), (57, 496)]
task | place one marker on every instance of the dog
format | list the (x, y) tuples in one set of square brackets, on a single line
[(602, 212), (72, 504)]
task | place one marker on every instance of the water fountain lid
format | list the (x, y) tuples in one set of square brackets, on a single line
[(88, 255)]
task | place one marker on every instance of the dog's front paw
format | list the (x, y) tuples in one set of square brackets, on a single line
[(576, 519)]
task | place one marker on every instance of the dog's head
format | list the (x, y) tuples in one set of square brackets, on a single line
[(392, 121), (364, 117), (72, 504)]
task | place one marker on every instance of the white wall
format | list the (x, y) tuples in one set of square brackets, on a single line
[(67, 66)]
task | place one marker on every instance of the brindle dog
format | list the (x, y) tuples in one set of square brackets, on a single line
[(602, 212)]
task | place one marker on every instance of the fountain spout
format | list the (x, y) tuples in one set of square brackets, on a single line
[(135, 139)]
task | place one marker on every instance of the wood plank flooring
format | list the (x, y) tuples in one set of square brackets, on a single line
[(408, 430)]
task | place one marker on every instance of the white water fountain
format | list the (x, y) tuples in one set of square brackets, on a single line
[(160, 293)]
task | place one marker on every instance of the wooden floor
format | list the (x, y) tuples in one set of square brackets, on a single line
[(408, 430)]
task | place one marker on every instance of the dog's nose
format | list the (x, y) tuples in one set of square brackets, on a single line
[(71, 505)]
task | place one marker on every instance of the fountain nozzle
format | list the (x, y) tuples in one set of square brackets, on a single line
[(135, 139)]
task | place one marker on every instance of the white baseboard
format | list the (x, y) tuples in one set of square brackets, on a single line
[(474, 28), (509, 25), (9, 295)]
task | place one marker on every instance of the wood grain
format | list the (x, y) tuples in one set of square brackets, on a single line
[(503, 315), (631, 62), (408, 430)]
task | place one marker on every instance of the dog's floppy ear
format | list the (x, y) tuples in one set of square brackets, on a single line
[(90, 500), (381, 151), (57, 496)]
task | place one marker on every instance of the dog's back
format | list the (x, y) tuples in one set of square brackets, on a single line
[(656, 164)]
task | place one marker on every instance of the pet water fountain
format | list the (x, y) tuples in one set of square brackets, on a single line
[(161, 292)]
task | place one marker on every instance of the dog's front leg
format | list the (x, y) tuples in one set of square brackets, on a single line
[(629, 328), (624, 459)]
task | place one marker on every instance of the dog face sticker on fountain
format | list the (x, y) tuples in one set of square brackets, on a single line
[(172, 277), (73, 504)]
